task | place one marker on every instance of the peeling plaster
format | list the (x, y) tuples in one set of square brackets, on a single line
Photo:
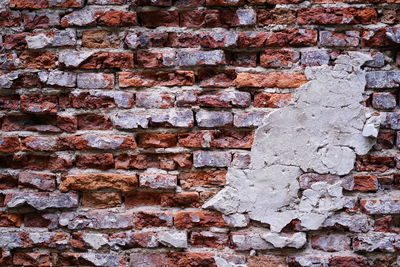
[(321, 131)]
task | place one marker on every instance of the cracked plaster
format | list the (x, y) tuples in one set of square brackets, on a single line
[(321, 131)]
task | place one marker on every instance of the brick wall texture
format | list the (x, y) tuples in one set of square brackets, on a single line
[(120, 118)]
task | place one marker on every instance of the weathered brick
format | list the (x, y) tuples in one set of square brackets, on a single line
[(209, 239), (99, 181), (315, 58), (266, 261), (189, 180), (147, 140), (41, 220), (100, 39), (154, 19), (95, 161), (249, 119), (101, 200), (331, 242), (275, 16), (41, 201), (10, 220), (243, 59), (154, 78), (214, 118), (273, 79), (216, 138), (146, 39), (95, 220), (157, 180), (9, 144), (380, 206), (374, 163), (383, 101), (95, 80), (383, 79), (292, 37), (43, 104), (385, 242), (211, 159), (152, 219), (375, 38), (37, 180), (190, 219), (92, 60), (279, 58), (216, 78), (154, 100), (337, 39), (337, 16), (271, 100), (348, 261), (29, 4), (31, 259), (10, 18), (200, 58), (167, 161), (252, 39), (35, 20), (149, 59), (218, 39)]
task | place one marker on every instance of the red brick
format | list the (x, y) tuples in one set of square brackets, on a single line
[(43, 104), (147, 140), (40, 20), (190, 219), (159, 18), (10, 19), (271, 100), (375, 38), (8, 181), (31, 259), (180, 200), (272, 79), (147, 160), (95, 161), (374, 163), (10, 220), (37, 180), (387, 224), (38, 60), (217, 138), (101, 200), (348, 261), (116, 18), (190, 180), (142, 198), (209, 239), (29, 4), (152, 219), (95, 142), (266, 261), (154, 78), (100, 39), (252, 39), (279, 58), (216, 78), (292, 37), (275, 16), (337, 16), (94, 122), (365, 183), (98, 181), (9, 144)]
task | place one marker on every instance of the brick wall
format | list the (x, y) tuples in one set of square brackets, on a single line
[(120, 118)]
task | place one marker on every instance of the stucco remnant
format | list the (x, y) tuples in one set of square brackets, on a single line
[(321, 131)]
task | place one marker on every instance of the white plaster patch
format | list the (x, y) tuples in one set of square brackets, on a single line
[(322, 131)]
